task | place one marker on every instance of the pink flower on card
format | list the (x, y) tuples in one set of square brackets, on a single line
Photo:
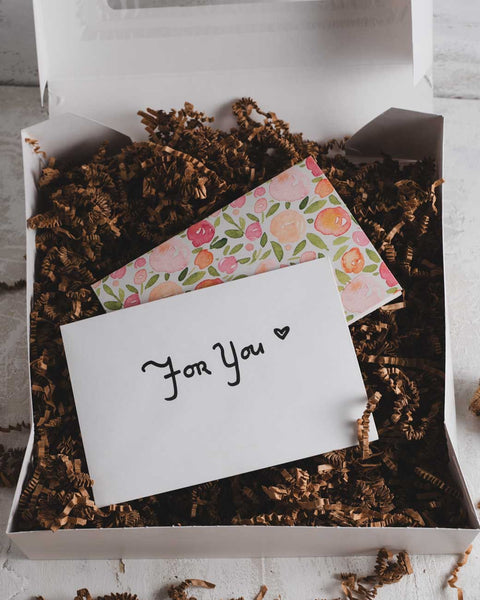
[(312, 166), (266, 265), (386, 274), (140, 262), (309, 255), (201, 233), (131, 300), (362, 293), (96, 284), (239, 202), (249, 247), (260, 191), (119, 273), (290, 186), (360, 238), (164, 290), (228, 264), (171, 256), (140, 276), (253, 231), (260, 205)]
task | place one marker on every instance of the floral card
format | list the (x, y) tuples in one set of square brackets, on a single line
[(209, 385), (295, 217)]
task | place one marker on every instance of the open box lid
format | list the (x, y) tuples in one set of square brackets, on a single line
[(326, 66)]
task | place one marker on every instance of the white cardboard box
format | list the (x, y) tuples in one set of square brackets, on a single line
[(327, 66)]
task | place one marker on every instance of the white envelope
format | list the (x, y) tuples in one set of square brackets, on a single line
[(222, 381)]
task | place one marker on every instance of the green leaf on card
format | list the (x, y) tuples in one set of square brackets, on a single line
[(108, 290), (216, 223), (219, 243), (167, 276), (373, 255), (273, 209), (239, 277), (278, 250), (121, 294), (194, 277), (370, 268), (309, 220), (229, 219), (226, 250), (153, 279), (349, 318), (303, 203), (341, 276), (213, 271), (131, 288), (244, 260), (340, 240), (392, 291), (113, 305), (183, 274), (340, 252), (287, 205), (333, 199), (315, 206), (236, 248), (242, 222), (317, 241), (265, 255), (263, 240), (252, 217), (299, 247), (234, 233)]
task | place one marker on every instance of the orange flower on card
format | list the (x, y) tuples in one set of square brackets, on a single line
[(288, 226), (208, 283), (323, 188), (333, 221), (353, 261), (164, 290), (203, 259)]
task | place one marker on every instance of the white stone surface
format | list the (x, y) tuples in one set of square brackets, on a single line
[(457, 74)]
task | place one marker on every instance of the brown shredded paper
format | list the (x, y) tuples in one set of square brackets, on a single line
[(452, 582), (388, 570), (94, 217)]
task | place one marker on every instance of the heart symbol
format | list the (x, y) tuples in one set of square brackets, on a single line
[(282, 333)]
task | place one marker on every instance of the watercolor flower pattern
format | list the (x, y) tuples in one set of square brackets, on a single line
[(290, 186), (170, 257), (200, 233), (333, 221), (288, 226), (353, 261), (295, 217)]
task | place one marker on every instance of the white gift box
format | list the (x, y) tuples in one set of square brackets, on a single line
[(328, 67)]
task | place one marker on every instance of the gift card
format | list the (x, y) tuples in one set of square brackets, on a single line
[(208, 385), (295, 217)]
